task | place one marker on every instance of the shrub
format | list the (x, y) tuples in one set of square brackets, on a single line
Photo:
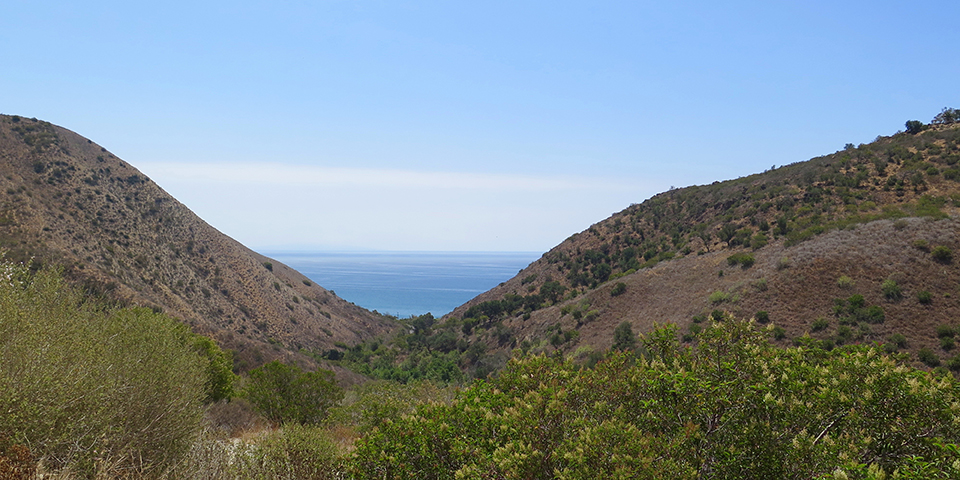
[(762, 316), (778, 333), (942, 254), (891, 290), (898, 339), (623, 337), (845, 282), (86, 385), (924, 297), (618, 289), (369, 405), (783, 263), (285, 393), (718, 297), (294, 451), (947, 343), (953, 363), (929, 358), (819, 324), (543, 417), (745, 260), (944, 330)]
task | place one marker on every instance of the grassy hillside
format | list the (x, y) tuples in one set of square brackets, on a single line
[(65, 200)]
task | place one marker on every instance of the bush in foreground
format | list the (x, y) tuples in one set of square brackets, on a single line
[(93, 390), (733, 407)]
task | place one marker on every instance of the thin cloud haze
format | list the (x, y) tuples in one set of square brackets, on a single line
[(306, 175)]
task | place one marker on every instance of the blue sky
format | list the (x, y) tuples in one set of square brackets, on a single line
[(466, 125)]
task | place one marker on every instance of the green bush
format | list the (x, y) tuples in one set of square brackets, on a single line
[(291, 452), (924, 297), (945, 330), (745, 260), (845, 282), (718, 297), (623, 337), (891, 290), (778, 333), (942, 254), (90, 388), (928, 357), (819, 324), (762, 317), (618, 289), (799, 413), (285, 393), (898, 339)]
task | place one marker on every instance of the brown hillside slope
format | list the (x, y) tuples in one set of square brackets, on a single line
[(65, 200), (871, 213), (795, 285)]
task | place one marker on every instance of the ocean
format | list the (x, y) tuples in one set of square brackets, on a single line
[(407, 283)]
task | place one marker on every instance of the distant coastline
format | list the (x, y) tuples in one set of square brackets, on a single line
[(406, 283)]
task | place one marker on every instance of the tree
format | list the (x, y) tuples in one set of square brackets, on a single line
[(552, 291), (914, 126), (623, 337), (947, 116), (601, 272), (285, 393)]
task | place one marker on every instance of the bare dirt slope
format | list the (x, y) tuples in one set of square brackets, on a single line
[(794, 285)]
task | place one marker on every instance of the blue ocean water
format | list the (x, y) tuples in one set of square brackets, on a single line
[(407, 283)]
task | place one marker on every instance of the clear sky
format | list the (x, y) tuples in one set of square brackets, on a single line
[(454, 125)]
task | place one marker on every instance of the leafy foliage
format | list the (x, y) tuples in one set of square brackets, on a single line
[(734, 407), (891, 289), (285, 393), (86, 386), (624, 338), (942, 253), (914, 126)]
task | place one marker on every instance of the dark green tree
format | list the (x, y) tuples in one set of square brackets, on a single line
[(914, 126), (552, 291)]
